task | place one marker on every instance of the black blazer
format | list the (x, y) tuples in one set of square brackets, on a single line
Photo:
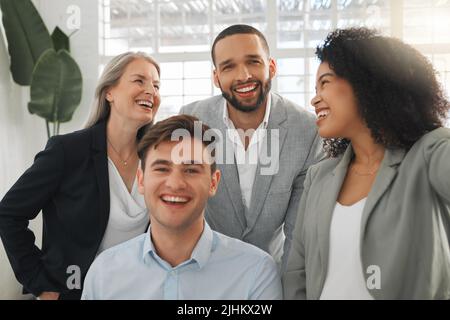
[(69, 182)]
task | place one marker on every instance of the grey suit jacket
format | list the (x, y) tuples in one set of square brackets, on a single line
[(405, 225), (275, 197)]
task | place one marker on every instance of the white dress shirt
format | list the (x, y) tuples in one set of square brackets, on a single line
[(128, 215), (345, 279), (246, 160)]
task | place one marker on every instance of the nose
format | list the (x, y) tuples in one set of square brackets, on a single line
[(315, 100), (150, 89), (243, 74), (175, 180)]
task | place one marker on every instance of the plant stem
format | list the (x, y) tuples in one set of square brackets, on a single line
[(48, 129)]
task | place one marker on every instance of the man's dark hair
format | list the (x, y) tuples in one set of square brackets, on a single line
[(162, 132), (397, 93), (239, 29)]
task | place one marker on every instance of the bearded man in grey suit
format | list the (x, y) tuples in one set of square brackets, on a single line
[(266, 144)]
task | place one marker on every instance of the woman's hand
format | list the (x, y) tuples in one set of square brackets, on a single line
[(49, 296)]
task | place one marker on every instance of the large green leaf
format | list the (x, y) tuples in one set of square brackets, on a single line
[(27, 37), (60, 40), (55, 86)]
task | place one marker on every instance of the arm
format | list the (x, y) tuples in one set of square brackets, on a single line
[(23, 202), (267, 283), (294, 278), (314, 156), (437, 155)]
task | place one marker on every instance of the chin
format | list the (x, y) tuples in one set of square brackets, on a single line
[(328, 134)]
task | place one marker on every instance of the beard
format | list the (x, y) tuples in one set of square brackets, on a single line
[(235, 103)]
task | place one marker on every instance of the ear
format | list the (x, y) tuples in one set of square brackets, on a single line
[(215, 179), (140, 180), (109, 96), (216, 79), (272, 68)]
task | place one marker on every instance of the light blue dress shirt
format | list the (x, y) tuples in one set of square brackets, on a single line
[(220, 268)]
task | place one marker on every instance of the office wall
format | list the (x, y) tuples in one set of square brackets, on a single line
[(22, 135)]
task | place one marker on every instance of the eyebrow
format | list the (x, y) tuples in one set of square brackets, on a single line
[(323, 76), (141, 76), (193, 163), (248, 56), (161, 162), (225, 62)]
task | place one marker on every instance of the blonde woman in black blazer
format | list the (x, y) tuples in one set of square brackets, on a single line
[(374, 219), (69, 181)]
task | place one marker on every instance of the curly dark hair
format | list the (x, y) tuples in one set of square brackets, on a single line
[(395, 86)]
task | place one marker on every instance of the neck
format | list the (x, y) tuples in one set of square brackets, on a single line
[(247, 120), (367, 152), (174, 246), (121, 134)]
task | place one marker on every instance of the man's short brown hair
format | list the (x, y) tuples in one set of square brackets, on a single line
[(163, 130)]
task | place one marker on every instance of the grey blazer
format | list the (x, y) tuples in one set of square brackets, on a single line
[(275, 197), (405, 226)]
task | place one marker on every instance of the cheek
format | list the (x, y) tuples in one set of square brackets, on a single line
[(157, 99)]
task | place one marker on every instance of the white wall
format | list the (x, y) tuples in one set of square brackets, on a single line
[(22, 135)]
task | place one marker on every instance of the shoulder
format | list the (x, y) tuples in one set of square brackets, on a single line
[(296, 114), (323, 168), (121, 253), (203, 107), (428, 144), (80, 142), (432, 137), (235, 248)]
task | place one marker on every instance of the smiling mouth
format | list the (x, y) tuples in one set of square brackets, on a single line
[(323, 114), (174, 200), (145, 104), (246, 89)]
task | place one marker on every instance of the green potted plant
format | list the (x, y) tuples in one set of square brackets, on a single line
[(43, 62)]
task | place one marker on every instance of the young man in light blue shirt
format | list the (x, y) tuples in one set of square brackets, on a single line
[(180, 257)]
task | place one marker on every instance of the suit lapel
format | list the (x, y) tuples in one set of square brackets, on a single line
[(101, 171), (228, 168), (386, 174), (276, 132)]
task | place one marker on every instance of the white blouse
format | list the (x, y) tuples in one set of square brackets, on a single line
[(128, 215), (345, 279)]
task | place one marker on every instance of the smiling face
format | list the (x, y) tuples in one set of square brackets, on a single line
[(243, 71), (136, 96), (176, 192), (335, 105)]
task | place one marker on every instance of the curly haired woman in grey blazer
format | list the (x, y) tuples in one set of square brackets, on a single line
[(374, 219)]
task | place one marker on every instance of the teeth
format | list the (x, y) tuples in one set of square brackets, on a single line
[(175, 199), (323, 114), (246, 89), (145, 103)]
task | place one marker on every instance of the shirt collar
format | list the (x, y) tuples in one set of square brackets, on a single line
[(229, 123), (200, 254)]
